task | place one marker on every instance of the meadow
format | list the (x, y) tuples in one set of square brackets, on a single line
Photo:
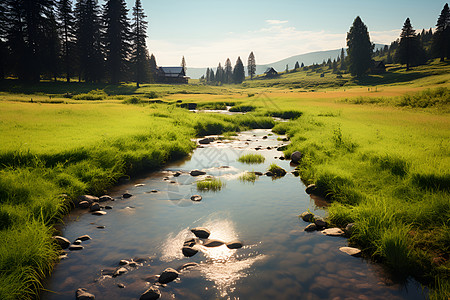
[(378, 150)]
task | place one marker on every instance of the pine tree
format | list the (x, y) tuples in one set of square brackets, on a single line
[(211, 75), (409, 47), (88, 40), (360, 48), (116, 39), (238, 72), (441, 38), (334, 66), (297, 66), (67, 34), (4, 57), (251, 65), (302, 65), (51, 48), (183, 65), (152, 66), (139, 53), (228, 72), (26, 36), (343, 65), (208, 72), (219, 74)]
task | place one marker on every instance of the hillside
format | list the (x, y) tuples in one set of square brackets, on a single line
[(306, 58)]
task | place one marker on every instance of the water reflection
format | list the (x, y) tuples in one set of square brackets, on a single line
[(222, 266)]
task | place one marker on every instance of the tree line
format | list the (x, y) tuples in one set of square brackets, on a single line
[(49, 39)]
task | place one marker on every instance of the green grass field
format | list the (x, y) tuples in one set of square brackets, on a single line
[(378, 147)]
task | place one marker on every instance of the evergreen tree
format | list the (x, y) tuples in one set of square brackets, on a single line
[(334, 66), (409, 47), (152, 66), (211, 75), (251, 65), (51, 48), (139, 52), (228, 72), (208, 72), (360, 48), (3, 36), (297, 66), (441, 38), (238, 72), (116, 39), (88, 40), (302, 65), (219, 74), (343, 65), (287, 69), (183, 64), (27, 36), (67, 34)]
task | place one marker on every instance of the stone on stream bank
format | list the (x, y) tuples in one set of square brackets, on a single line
[(76, 247), (62, 241), (168, 275), (196, 198), (187, 266), (307, 216), (234, 245), (84, 204), (94, 207), (206, 141), (311, 227), (197, 173), (310, 189), (127, 195), (351, 251), (152, 293), (333, 232), (201, 232), (82, 294), (99, 213), (213, 243), (120, 271), (188, 251), (88, 198), (105, 198), (296, 157)]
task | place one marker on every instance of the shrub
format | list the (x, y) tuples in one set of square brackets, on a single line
[(248, 177), (242, 108), (92, 95)]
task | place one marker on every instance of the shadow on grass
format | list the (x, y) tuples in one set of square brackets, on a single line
[(15, 86)]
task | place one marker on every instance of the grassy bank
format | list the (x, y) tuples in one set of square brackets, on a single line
[(49, 150), (387, 170)]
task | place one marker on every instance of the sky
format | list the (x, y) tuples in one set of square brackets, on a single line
[(207, 32)]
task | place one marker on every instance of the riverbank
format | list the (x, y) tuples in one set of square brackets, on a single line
[(53, 153)]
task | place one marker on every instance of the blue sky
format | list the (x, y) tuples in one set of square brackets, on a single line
[(207, 32)]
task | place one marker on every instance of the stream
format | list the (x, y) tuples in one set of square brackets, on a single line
[(279, 260)]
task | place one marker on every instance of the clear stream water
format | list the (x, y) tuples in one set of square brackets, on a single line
[(279, 259)]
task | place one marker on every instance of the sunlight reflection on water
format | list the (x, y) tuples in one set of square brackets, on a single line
[(222, 266)]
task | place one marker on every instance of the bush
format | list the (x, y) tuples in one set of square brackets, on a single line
[(242, 108), (210, 184)]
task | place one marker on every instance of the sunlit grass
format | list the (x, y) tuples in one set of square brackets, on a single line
[(248, 177), (252, 158), (210, 184)]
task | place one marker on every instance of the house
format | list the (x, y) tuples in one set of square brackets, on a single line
[(378, 67), (270, 72), (171, 75)]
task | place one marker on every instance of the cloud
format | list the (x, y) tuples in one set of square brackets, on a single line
[(275, 22), (271, 43)]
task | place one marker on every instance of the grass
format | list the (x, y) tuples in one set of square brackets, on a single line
[(248, 177), (251, 158), (383, 165), (210, 184)]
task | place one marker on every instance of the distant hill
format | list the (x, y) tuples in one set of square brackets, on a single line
[(307, 59)]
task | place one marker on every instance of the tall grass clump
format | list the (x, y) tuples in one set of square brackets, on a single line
[(92, 95), (210, 184), (285, 114), (242, 108), (427, 98), (248, 177), (251, 158)]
